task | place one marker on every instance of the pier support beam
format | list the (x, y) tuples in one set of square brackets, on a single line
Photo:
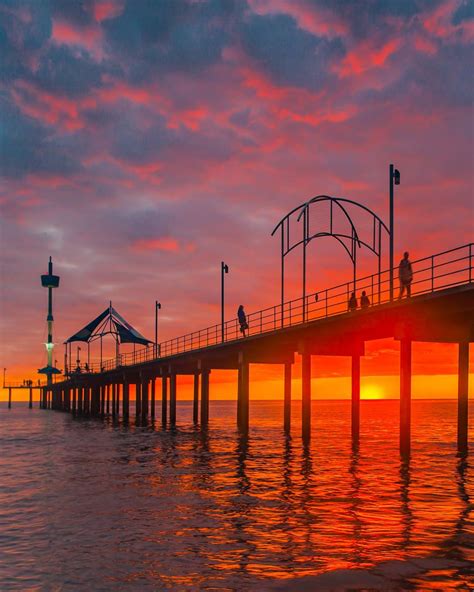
[(173, 399), (463, 384), (405, 396), (306, 396), (126, 401), (144, 398), (153, 402), (74, 400), (196, 398), (204, 397), (9, 398), (164, 399), (80, 398), (107, 399), (243, 395), (355, 407), (30, 400), (287, 399), (138, 399), (114, 395)]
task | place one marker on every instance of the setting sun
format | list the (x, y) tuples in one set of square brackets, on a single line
[(372, 391)]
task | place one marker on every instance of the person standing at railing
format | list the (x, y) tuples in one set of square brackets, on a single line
[(352, 304), (364, 300), (405, 275), (242, 320)]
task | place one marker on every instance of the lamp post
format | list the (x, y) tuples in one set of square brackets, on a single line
[(394, 179), (78, 357), (224, 270), (157, 308)]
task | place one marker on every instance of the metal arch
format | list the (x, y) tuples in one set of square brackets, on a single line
[(303, 210)]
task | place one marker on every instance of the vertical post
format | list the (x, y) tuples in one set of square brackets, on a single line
[(304, 263), (107, 399), (224, 270), (173, 398), (145, 399), (405, 396), (138, 399), (196, 398), (30, 401), (9, 398), (287, 399), (204, 397), (355, 408), (463, 384), (103, 389), (74, 400), (80, 396), (306, 396), (126, 400), (157, 308), (164, 398), (153, 390), (282, 287), (114, 394), (117, 399), (391, 223)]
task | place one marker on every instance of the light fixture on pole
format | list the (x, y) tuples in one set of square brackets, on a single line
[(394, 179), (224, 270), (157, 308)]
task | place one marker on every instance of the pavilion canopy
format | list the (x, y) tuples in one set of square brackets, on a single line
[(109, 322)]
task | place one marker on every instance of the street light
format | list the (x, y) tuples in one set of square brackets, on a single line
[(224, 270), (78, 358), (157, 308), (394, 179)]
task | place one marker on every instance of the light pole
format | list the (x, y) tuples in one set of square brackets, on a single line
[(78, 357), (224, 270), (157, 308), (394, 179)]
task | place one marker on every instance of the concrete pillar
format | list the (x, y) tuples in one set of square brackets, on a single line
[(463, 385), (87, 400), (114, 395), (152, 401), (117, 399), (355, 408), (243, 396), (96, 400), (9, 398), (74, 400), (80, 393), (144, 390), (103, 388), (287, 399), (405, 396), (196, 398), (306, 396), (164, 398), (30, 400), (138, 399), (173, 399), (126, 401), (205, 397), (107, 399)]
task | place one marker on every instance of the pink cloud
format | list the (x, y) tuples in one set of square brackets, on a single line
[(107, 9), (168, 244)]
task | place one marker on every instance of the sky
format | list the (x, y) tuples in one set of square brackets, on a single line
[(145, 141)]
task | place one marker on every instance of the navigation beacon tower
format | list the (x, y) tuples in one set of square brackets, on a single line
[(50, 281)]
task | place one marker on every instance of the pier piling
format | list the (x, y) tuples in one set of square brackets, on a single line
[(173, 399), (164, 398), (153, 402), (405, 396), (463, 384), (287, 399), (196, 398), (306, 396), (355, 398), (204, 397)]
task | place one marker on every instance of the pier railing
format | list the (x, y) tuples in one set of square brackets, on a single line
[(430, 274)]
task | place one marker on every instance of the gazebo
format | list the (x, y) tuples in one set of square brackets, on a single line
[(109, 322)]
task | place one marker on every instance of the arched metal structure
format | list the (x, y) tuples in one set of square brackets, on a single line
[(302, 213)]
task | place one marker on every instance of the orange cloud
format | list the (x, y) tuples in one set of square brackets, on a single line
[(167, 244), (365, 57)]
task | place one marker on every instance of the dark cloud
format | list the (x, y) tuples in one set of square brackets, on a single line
[(464, 12), (290, 55), (29, 147)]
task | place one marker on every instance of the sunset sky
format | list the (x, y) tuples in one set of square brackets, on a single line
[(145, 141)]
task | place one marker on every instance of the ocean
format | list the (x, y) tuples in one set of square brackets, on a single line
[(96, 505)]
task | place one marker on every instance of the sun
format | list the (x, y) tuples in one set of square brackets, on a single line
[(371, 391)]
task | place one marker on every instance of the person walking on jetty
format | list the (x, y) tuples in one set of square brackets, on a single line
[(405, 275), (364, 300), (242, 320), (352, 304)]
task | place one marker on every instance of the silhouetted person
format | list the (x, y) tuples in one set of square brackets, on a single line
[(364, 300), (352, 304), (405, 275), (86, 367), (242, 320)]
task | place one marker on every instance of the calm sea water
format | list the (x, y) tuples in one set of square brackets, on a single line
[(96, 505)]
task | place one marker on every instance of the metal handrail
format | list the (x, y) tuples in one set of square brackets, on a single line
[(325, 303)]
